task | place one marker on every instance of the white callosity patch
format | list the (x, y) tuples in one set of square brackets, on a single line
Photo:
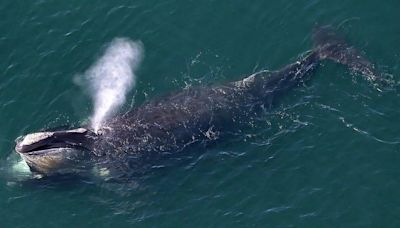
[(78, 130), (112, 77), (35, 137), (39, 136)]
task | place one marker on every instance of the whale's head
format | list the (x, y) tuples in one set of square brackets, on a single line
[(56, 152)]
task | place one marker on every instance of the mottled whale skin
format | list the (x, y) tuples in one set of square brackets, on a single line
[(172, 123)]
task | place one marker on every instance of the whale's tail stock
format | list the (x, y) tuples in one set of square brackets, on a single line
[(329, 45)]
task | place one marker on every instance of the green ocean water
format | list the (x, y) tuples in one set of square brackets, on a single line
[(327, 156)]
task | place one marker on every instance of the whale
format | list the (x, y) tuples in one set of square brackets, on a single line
[(175, 122)]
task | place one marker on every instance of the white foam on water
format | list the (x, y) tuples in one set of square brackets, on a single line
[(15, 169), (111, 77), (21, 167)]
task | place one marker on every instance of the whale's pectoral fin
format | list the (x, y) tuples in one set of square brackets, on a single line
[(330, 45)]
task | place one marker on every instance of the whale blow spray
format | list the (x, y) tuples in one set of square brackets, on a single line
[(112, 77)]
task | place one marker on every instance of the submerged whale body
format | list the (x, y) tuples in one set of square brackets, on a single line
[(173, 123)]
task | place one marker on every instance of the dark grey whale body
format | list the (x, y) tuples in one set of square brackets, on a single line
[(171, 124)]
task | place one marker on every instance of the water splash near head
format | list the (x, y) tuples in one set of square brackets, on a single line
[(112, 77)]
